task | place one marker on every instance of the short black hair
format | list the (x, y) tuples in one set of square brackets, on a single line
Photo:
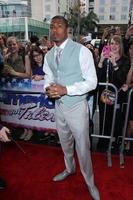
[(34, 39), (61, 18)]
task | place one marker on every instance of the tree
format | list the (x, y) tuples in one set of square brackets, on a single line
[(88, 23), (73, 19), (78, 20)]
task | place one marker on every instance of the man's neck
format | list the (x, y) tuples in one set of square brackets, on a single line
[(60, 42)]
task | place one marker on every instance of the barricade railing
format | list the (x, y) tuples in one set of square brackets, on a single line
[(110, 136), (124, 137), (15, 91)]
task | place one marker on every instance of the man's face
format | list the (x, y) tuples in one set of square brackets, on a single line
[(58, 31)]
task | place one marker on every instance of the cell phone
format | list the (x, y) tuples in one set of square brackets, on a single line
[(106, 50)]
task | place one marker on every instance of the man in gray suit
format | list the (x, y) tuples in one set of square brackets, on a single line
[(69, 75)]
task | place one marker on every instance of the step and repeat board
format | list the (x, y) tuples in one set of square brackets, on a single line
[(23, 103)]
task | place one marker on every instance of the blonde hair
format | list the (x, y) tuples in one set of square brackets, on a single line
[(118, 39), (10, 39)]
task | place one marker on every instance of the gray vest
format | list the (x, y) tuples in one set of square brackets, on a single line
[(68, 72)]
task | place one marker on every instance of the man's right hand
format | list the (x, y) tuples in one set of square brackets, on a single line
[(56, 91)]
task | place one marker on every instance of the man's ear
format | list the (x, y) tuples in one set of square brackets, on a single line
[(68, 30)]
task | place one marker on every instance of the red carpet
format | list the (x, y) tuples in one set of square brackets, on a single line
[(29, 176)]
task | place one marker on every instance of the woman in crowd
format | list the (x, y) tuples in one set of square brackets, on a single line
[(36, 59), (117, 65), (16, 64)]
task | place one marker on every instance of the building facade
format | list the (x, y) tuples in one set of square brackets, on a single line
[(44, 10), (15, 19), (112, 11), (23, 18), (22, 9), (84, 6)]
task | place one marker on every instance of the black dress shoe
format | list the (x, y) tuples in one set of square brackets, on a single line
[(2, 183), (63, 175), (94, 193)]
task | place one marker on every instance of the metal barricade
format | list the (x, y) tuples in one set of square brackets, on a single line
[(110, 137), (124, 138), (14, 91)]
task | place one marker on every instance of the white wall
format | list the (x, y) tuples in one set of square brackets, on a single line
[(37, 9)]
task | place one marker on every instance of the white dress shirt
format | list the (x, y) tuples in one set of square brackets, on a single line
[(88, 72)]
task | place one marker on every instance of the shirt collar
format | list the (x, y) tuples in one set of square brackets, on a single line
[(62, 46)]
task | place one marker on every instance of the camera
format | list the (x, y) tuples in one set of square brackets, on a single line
[(106, 50)]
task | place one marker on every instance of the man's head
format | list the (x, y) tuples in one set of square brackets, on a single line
[(59, 29)]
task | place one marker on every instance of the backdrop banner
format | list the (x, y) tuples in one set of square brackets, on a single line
[(24, 104)]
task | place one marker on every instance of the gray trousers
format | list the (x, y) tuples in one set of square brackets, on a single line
[(73, 125)]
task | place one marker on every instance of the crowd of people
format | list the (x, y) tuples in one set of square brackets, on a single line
[(72, 81), (113, 61), (24, 61)]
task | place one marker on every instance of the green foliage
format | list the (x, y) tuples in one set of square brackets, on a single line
[(87, 23)]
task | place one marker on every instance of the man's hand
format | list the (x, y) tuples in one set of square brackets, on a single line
[(4, 134), (56, 90)]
